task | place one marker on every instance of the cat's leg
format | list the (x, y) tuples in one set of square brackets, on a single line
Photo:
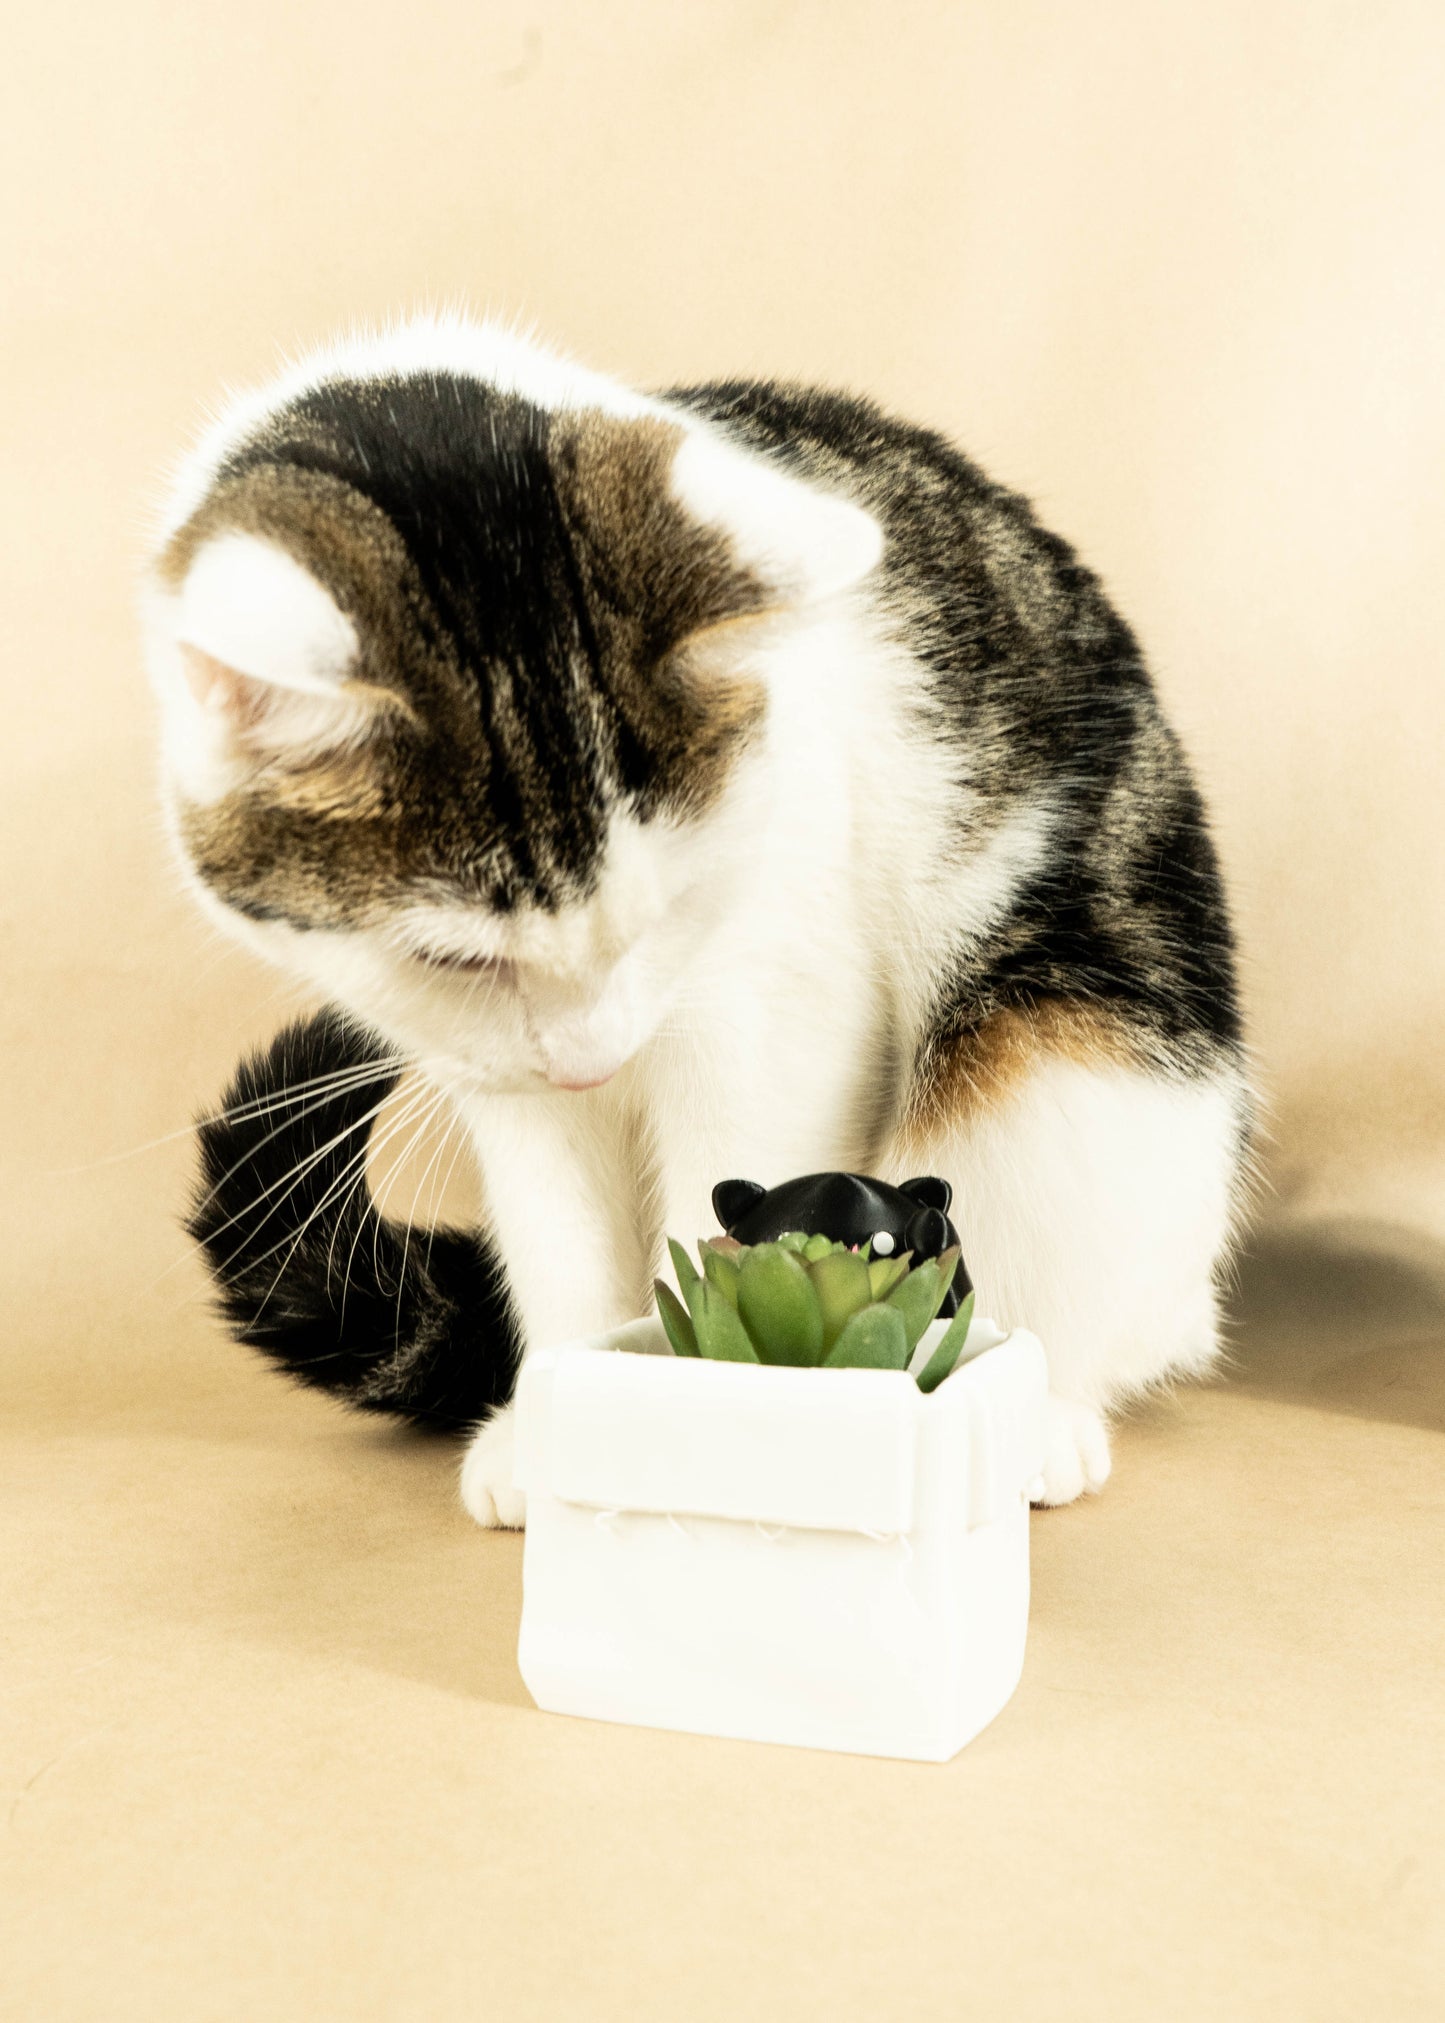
[(1093, 1197), (784, 1107), (561, 1189)]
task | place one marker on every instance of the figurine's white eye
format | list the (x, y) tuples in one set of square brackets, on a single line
[(883, 1244)]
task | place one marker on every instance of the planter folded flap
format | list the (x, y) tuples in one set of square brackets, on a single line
[(828, 1451)]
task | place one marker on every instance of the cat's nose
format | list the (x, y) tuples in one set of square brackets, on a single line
[(580, 1053), (582, 1037)]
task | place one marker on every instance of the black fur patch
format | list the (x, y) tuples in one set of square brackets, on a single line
[(462, 475), (523, 579)]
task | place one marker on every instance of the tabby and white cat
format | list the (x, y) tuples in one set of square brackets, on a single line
[(731, 781)]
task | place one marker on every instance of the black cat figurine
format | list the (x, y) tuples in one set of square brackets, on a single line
[(849, 1208)]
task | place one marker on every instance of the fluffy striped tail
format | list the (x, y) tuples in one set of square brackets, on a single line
[(391, 1320)]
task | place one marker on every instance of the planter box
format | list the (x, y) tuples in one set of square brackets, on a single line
[(819, 1557)]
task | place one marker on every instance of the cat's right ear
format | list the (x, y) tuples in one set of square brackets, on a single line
[(254, 660), (804, 544)]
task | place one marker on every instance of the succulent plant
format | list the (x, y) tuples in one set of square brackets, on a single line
[(852, 1208), (813, 1303)]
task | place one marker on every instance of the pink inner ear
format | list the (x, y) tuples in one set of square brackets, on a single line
[(220, 689)]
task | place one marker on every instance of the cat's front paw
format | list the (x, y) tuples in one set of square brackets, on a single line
[(1076, 1451), (487, 1489)]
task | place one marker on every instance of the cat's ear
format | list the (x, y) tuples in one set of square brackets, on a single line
[(931, 1189), (247, 605), (804, 544), (256, 659)]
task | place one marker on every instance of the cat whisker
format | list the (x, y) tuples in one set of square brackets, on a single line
[(453, 1130), (289, 1181), (361, 1228), (238, 1113), (430, 1168), (358, 1161)]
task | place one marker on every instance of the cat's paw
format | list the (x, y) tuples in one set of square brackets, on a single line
[(1076, 1451), (487, 1488)]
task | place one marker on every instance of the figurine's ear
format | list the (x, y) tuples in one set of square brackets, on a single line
[(930, 1189), (927, 1233), (731, 1200)]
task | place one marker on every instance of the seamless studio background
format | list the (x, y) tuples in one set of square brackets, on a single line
[(1175, 272)]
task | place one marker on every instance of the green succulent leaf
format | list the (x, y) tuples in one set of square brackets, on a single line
[(805, 1300), (778, 1306), (873, 1339), (721, 1336), (676, 1320), (885, 1272), (721, 1270), (917, 1299), (728, 1245), (841, 1282), (682, 1264), (944, 1360), (919, 1296)]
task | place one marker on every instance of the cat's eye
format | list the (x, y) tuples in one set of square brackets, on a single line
[(466, 965), (883, 1244)]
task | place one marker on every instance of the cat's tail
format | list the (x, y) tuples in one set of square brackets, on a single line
[(414, 1322)]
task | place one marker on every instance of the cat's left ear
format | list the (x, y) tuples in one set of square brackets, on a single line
[(931, 1189), (254, 659), (248, 608), (804, 544)]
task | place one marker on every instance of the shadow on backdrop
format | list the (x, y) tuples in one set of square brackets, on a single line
[(1345, 1315)]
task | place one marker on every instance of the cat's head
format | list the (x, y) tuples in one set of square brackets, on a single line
[(463, 660)]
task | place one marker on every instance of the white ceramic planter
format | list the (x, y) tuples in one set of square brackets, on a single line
[(819, 1557)]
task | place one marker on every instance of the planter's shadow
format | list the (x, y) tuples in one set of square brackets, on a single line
[(1348, 1316)]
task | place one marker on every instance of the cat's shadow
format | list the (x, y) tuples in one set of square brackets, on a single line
[(1346, 1316), (340, 1541)]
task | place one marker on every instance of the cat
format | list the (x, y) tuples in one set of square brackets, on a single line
[(728, 781)]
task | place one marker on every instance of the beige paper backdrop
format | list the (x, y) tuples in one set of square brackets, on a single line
[(1176, 271)]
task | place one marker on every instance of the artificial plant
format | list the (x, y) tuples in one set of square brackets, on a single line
[(807, 1301)]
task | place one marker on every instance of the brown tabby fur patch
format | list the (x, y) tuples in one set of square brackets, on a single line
[(982, 1067), (659, 587), (332, 840)]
